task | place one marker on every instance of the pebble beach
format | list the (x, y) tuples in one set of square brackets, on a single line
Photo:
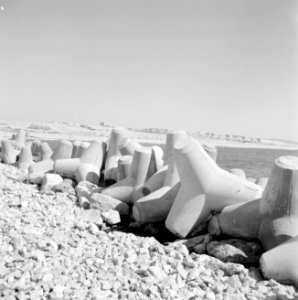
[(50, 250)]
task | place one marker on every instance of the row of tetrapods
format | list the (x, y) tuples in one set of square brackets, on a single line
[(183, 186)]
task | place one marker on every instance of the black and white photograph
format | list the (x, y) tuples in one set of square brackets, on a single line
[(149, 149)]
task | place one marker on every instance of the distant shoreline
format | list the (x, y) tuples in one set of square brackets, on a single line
[(227, 144), (54, 131)]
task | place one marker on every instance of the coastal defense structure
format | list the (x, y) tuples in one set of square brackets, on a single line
[(9, 154), (63, 150), (205, 187), (25, 159), (156, 205), (273, 219), (125, 189), (281, 262), (182, 187), (87, 167), (117, 138)]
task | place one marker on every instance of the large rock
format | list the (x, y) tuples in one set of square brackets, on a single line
[(92, 216), (50, 180), (65, 187), (86, 188), (111, 217), (198, 244), (35, 178), (205, 188), (235, 250), (103, 203)]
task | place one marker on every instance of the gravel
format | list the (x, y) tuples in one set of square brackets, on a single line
[(49, 249)]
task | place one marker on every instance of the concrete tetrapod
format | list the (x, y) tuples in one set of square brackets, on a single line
[(125, 189), (28, 144), (171, 139), (238, 172), (205, 187), (281, 262), (8, 153), (118, 135), (211, 150), (124, 163), (251, 179), (156, 206), (156, 161), (63, 150), (25, 159), (46, 151), (87, 167), (273, 219), (156, 181), (75, 149), (79, 148), (19, 139), (36, 149), (262, 181), (129, 146)]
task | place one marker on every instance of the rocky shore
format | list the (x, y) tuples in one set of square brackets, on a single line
[(51, 249)]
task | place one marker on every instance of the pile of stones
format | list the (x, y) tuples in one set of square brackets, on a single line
[(121, 186)]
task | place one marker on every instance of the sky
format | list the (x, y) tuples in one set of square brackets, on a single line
[(222, 66)]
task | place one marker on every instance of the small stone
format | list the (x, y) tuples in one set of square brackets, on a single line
[(262, 288), (181, 271), (235, 250), (21, 295), (58, 291), (189, 263), (234, 282), (47, 277), (93, 229), (36, 294), (86, 188), (283, 296), (24, 204), (272, 296), (104, 202), (157, 273), (111, 217), (80, 224), (230, 269), (209, 296), (38, 255), (73, 198), (105, 285), (3, 270)]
